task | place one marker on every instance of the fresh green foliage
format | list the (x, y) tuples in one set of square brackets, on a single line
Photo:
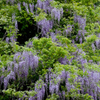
[(61, 56)]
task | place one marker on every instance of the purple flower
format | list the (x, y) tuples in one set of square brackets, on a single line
[(79, 33), (73, 41), (56, 13), (16, 68), (64, 61), (24, 3), (13, 17), (26, 6), (23, 70), (35, 61), (76, 38), (26, 60), (40, 89), (67, 32), (7, 39), (99, 35), (29, 44), (45, 25), (53, 36), (39, 3), (19, 6), (44, 6), (97, 44), (80, 40), (69, 27), (7, 1), (93, 47), (17, 57), (6, 79), (16, 24), (81, 21), (31, 7), (90, 61)]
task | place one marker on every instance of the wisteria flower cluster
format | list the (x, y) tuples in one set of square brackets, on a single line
[(81, 23), (20, 66), (62, 63)]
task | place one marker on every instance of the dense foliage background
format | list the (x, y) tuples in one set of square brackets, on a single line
[(49, 49)]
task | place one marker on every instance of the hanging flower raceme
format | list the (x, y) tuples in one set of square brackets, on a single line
[(10, 1), (30, 60), (45, 5), (40, 88), (45, 25), (9, 77), (53, 36), (68, 85), (81, 32), (39, 3), (64, 61), (97, 42), (31, 7), (89, 84), (93, 47), (20, 66), (13, 37), (57, 13), (19, 6), (30, 44), (26, 6), (81, 21), (68, 30), (80, 36), (54, 81)]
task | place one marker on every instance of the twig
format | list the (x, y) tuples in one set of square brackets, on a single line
[(4, 36)]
